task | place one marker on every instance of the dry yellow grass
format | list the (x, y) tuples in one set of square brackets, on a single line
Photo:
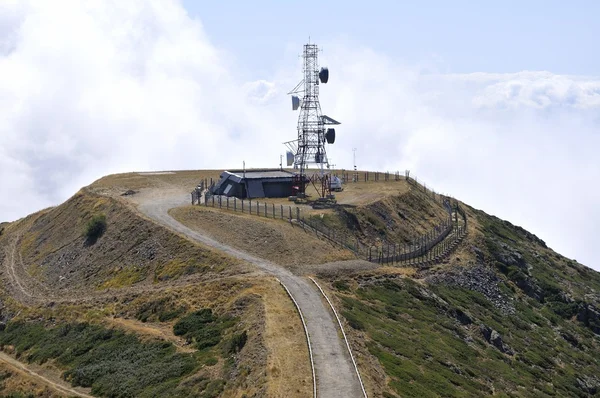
[(150, 331), (359, 193), (274, 240), (288, 366)]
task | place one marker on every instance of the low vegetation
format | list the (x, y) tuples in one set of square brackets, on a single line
[(95, 227), (429, 342), (117, 364), (443, 339), (121, 247)]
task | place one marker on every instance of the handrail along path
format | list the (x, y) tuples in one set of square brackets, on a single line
[(334, 370)]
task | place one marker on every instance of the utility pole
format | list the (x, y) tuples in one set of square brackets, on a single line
[(355, 173)]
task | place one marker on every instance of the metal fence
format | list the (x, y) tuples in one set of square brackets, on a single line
[(429, 248)]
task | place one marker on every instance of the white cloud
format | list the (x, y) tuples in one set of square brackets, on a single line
[(98, 87)]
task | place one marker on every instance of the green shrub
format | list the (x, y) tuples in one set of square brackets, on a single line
[(111, 362), (95, 227), (341, 286), (162, 310), (236, 343), (202, 327)]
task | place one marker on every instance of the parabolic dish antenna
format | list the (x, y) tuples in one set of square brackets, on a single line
[(295, 102), (324, 75), (330, 136)]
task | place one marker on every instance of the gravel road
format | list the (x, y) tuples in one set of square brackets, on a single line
[(335, 373)]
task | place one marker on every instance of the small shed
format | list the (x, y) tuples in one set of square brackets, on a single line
[(266, 183)]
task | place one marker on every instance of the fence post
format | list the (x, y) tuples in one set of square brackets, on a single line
[(234, 204), (213, 200), (228, 203), (290, 209), (273, 210), (297, 214)]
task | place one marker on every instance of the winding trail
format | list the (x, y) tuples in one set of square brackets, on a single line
[(335, 373), (60, 386)]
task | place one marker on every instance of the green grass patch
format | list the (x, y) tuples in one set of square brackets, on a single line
[(203, 328), (124, 278), (425, 350), (177, 268), (108, 361)]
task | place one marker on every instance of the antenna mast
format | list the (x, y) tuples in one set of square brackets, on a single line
[(312, 134)]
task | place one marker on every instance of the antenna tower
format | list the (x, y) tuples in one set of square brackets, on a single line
[(312, 132)]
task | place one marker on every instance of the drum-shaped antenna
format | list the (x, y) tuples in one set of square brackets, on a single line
[(330, 136), (289, 157), (324, 75), (295, 102)]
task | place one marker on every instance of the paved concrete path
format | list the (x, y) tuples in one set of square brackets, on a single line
[(334, 371)]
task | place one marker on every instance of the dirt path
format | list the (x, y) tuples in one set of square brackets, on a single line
[(333, 367), (59, 386)]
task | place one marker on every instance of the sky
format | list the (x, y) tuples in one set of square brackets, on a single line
[(495, 103)]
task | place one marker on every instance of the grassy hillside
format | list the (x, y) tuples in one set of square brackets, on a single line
[(509, 318), (132, 309), (101, 288), (400, 217), (54, 246), (177, 343)]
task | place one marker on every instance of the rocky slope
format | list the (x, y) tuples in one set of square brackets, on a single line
[(505, 316)]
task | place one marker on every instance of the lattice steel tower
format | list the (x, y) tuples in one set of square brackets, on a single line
[(312, 134)]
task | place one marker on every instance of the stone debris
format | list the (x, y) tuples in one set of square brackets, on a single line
[(494, 338), (478, 278)]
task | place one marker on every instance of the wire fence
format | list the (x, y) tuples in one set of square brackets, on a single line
[(427, 249)]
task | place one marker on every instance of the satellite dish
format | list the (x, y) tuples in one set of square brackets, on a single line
[(330, 136), (295, 102), (324, 75), (289, 157)]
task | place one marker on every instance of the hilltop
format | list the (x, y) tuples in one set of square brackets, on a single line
[(196, 292)]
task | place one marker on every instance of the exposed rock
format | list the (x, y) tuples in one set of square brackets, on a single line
[(494, 338), (571, 339), (589, 384), (530, 288), (129, 192), (589, 316), (478, 254), (478, 278), (461, 316), (509, 256)]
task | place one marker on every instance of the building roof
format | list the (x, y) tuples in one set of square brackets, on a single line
[(260, 174)]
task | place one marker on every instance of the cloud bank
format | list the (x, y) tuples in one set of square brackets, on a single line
[(94, 88)]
